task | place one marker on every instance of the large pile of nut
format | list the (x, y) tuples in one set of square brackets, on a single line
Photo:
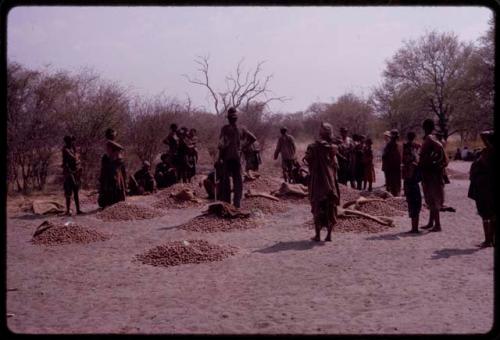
[(65, 234), (398, 203), (264, 205), (174, 203), (181, 252), (212, 224), (379, 208), (124, 211), (263, 184), (347, 194), (354, 224)]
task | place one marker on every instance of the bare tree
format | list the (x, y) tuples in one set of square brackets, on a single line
[(242, 88)]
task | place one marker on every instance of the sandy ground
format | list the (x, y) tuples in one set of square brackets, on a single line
[(279, 282)]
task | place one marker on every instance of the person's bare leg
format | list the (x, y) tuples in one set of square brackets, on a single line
[(429, 224), (437, 223), (329, 229), (370, 186), (77, 203), (414, 225), (68, 204), (317, 228)]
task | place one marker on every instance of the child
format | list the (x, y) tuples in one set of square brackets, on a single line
[(369, 170)]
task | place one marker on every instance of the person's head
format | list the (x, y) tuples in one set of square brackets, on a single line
[(183, 131), (343, 132), (232, 117), (368, 142), (146, 165), (428, 126), (68, 140), (387, 136), (164, 157), (326, 131), (394, 134), (410, 136), (487, 138), (283, 130), (355, 137), (110, 134), (192, 132), (173, 127)]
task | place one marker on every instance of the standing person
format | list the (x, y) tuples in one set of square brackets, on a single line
[(286, 146), (112, 186), (482, 178), (358, 160), (391, 164), (72, 172), (172, 141), (411, 179), (251, 150), (344, 157), (229, 156), (324, 193), (368, 167), (192, 153), (182, 155), (431, 163)]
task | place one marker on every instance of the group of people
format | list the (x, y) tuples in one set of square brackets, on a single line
[(329, 161)]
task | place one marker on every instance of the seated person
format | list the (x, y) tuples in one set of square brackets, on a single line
[(142, 181), (165, 174), (212, 181)]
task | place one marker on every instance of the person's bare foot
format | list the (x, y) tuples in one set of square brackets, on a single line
[(67, 213), (414, 231), (315, 239), (328, 239), (427, 226), (435, 229), (79, 212), (485, 244)]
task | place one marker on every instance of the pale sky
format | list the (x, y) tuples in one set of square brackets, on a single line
[(314, 53)]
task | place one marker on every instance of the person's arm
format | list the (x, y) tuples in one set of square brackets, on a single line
[(278, 149), (292, 142)]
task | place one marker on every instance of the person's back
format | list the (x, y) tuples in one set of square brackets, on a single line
[(230, 142)]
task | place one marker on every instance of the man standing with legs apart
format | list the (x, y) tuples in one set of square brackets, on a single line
[(432, 163), (72, 172), (324, 193), (229, 156), (286, 146)]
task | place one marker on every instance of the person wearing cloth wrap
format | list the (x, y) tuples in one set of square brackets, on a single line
[(142, 181), (112, 185), (482, 179), (432, 163), (286, 146), (229, 157), (72, 172), (411, 179), (251, 150), (324, 193), (345, 158), (391, 164)]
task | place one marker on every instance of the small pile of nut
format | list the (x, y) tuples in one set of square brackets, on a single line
[(54, 234), (354, 224), (265, 205), (379, 208), (124, 211), (212, 224), (347, 193), (181, 252)]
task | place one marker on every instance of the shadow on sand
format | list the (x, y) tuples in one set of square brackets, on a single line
[(447, 252), (290, 245), (393, 237), (31, 216)]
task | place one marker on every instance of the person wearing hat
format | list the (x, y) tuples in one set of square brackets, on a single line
[(481, 188), (324, 194), (229, 157), (72, 172), (345, 158), (432, 162), (391, 164), (411, 179), (286, 147), (368, 167), (112, 178), (142, 181), (165, 174)]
